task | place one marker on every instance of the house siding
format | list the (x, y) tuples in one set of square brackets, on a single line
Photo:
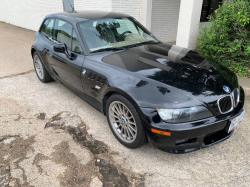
[(165, 16), (30, 13)]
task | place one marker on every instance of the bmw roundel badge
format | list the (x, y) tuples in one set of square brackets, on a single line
[(84, 71), (226, 89)]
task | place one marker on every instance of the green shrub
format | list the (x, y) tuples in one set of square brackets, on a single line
[(227, 39)]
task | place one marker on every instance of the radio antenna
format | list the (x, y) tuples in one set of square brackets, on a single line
[(71, 6), (68, 5)]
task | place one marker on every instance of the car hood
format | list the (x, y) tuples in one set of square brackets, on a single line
[(176, 67)]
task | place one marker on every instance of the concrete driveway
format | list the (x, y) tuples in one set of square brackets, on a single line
[(50, 137)]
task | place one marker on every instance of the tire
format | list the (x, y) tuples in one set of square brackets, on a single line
[(41, 71), (125, 121)]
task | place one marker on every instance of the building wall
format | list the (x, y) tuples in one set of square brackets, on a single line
[(189, 23), (165, 16), (30, 13)]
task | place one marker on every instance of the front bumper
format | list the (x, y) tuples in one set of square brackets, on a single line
[(191, 136)]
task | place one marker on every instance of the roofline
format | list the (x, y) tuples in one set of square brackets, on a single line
[(81, 17)]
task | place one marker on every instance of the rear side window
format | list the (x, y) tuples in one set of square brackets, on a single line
[(63, 33), (47, 28)]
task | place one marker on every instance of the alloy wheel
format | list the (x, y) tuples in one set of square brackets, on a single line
[(122, 121), (38, 67)]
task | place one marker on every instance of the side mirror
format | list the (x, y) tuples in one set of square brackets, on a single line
[(60, 48)]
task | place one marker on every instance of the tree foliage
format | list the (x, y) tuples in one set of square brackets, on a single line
[(227, 39)]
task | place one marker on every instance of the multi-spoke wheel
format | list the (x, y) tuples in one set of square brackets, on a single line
[(122, 121), (38, 67), (41, 72), (125, 121)]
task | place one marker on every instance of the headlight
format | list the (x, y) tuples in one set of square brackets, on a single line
[(184, 114)]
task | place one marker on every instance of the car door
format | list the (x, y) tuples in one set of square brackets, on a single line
[(68, 70)]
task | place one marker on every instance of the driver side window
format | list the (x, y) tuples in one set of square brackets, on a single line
[(63, 33)]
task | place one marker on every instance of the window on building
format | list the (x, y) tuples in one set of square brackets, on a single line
[(208, 8)]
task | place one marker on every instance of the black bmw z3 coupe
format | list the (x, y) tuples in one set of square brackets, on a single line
[(149, 90)]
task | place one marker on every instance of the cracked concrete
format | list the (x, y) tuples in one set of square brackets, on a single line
[(23, 73), (60, 155), (50, 137)]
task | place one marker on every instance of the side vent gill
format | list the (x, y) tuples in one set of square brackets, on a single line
[(97, 78)]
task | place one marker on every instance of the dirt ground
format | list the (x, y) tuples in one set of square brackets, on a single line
[(50, 137)]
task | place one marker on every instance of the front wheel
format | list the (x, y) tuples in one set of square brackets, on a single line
[(125, 122)]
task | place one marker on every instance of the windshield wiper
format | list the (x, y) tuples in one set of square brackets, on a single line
[(150, 42), (143, 43), (108, 49)]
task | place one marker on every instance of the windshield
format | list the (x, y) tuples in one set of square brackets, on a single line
[(114, 33)]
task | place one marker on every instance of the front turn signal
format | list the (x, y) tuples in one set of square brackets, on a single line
[(161, 132)]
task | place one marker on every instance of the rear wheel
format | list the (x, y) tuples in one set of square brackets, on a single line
[(125, 122), (41, 71)]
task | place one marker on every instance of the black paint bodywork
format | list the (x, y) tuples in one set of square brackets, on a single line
[(151, 76)]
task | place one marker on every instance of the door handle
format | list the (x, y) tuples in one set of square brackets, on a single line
[(49, 52), (46, 51)]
